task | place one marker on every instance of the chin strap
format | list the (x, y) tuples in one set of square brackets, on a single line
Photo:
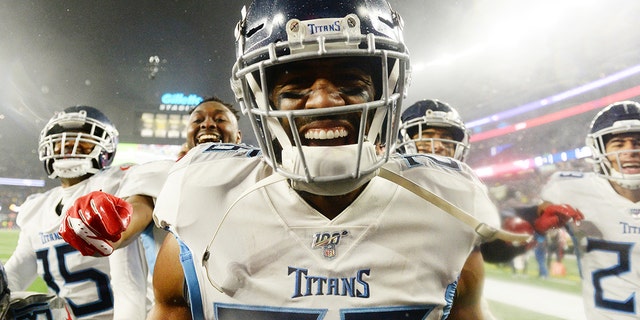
[(488, 233)]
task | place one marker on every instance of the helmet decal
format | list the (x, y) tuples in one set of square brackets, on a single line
[(273, 35)]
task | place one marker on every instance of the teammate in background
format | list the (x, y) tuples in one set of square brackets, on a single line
[(212, 120), (311, 225), (605, 203), (434, 127), (30, 305), (76, 147)]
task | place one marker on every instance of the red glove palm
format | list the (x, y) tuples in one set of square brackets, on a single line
[(556, 216), (95, 221)]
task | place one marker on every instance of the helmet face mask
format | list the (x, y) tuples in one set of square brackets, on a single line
[(77, 141), (274, 36), (616, 119), (427, 114)]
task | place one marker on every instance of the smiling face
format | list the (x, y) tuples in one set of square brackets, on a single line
[(212, 121), (432, 140), (623, 152), (323, 84)]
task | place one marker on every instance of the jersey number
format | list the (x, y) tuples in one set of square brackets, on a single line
[(623, 250), (101, 280)]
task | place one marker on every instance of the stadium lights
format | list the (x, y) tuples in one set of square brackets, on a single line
[(555, 98), (569, 112), (532, 163), (21, 182)]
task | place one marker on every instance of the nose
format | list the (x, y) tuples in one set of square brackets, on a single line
[(208, 123), (324, 94)]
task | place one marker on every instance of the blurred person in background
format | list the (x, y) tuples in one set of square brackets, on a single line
[(76, 147), (604, 207), (434, 127), (212, 120)]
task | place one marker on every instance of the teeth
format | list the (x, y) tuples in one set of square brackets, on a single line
[(209, 137), (323, 134)]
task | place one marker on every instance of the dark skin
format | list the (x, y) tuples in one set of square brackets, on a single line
[(209, 122), (324, 84), (307, 85)]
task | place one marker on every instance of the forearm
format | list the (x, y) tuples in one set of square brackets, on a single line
[(140, 219)]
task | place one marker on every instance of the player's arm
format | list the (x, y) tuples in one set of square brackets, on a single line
[(21, 268), (467, 301), (168, 284), (499, 251), (141, 217), (552, 216)]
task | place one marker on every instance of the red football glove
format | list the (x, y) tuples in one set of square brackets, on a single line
[(519, 225), (95, 221), (556, 216)]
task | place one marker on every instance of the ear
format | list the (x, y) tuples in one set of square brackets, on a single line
[(239, 137)]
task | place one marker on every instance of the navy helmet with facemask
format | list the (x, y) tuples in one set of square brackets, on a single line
[(617, 118), (61, 139), (273, 34), (429, 113)]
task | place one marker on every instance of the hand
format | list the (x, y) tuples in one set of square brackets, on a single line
[(94, 222), (556, 216), (519, 225)]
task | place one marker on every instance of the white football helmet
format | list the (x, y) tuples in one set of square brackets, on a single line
[(71, 127), (272, 34), (619, 117)]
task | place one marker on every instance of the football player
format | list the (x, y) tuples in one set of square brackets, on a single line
[(311, 225), (605, 205), (431, 126), (76, 147), (212, 120)]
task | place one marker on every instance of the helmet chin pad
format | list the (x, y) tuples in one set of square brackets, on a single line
[(627, 181), (335, 169), (72, 168)]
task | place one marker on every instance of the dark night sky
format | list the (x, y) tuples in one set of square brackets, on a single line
[(481, 56)]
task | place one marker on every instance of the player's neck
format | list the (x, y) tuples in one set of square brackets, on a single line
[(68, 182), (331, 206), (632, 195)]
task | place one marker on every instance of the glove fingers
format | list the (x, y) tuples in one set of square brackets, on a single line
[(70, 237), (101, 216), (89, 237)]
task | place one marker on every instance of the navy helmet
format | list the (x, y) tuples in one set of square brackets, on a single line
[(432, 113), (617, 118), (71, 127), (273, 34)]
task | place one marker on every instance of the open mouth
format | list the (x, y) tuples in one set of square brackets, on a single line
[(631, 168), (209, 138), (327, 133)]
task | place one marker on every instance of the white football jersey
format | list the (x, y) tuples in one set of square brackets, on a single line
[(85, 282), (389, 255), (143, 179), (607, 242)]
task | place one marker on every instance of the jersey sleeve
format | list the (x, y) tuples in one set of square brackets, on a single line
[(554, 190), (145, 179), (21, 267)]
